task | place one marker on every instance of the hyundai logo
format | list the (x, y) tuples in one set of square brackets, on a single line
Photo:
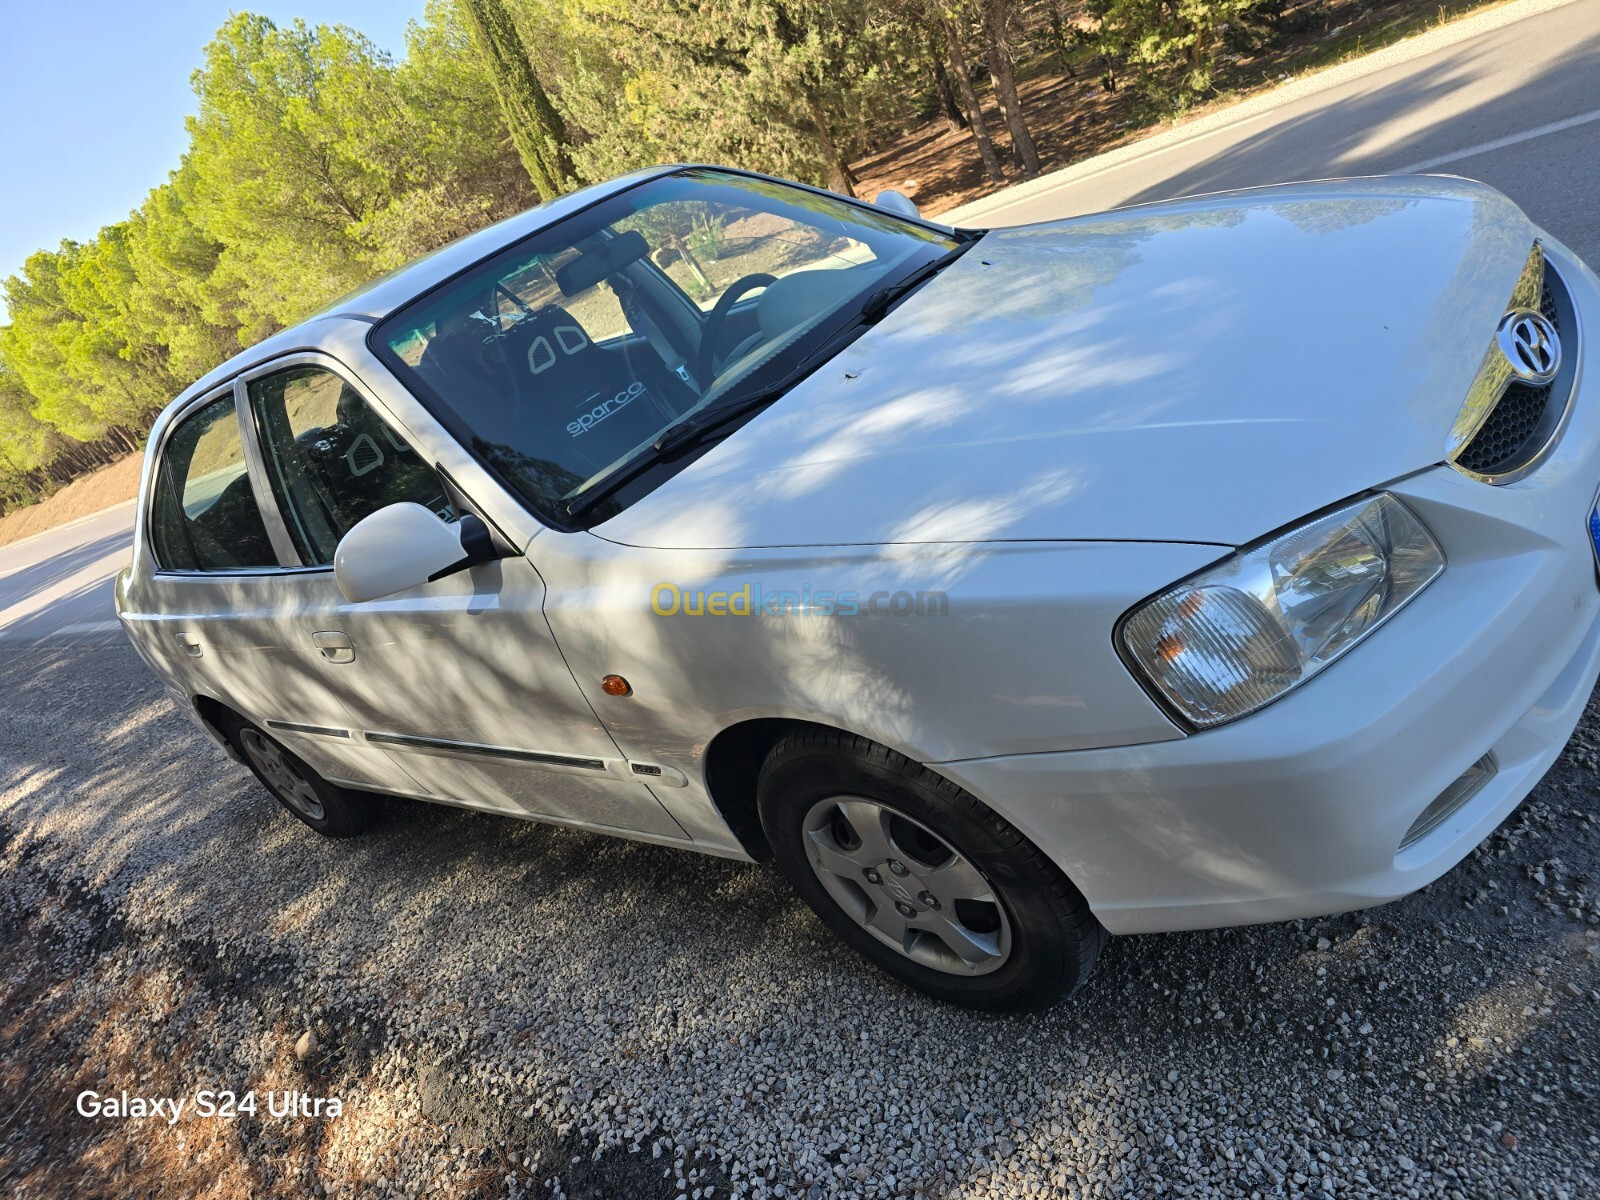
[(1531, 345)]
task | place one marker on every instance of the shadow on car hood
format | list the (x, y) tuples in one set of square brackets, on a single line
[(1200, 371)]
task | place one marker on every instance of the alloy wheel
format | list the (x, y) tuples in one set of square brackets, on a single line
[(906, 886), (281, 775)]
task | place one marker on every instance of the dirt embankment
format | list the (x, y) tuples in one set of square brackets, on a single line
[(80, 498)]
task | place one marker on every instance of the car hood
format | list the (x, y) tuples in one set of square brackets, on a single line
[(1200, 371)]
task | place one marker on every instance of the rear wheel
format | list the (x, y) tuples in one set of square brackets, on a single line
[(921, 878), (329, 809)]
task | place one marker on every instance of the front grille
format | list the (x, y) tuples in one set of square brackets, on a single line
[(1527, 418), (1498, 447)]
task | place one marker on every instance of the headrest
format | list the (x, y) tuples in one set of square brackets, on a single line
[(551, 327), (601, 262)]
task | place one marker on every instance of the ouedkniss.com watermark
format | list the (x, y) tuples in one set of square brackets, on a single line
[(754, 600)]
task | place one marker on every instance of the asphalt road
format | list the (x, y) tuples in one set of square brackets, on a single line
[(58, 584), (508, 1009)]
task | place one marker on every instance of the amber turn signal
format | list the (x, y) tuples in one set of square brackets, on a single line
[(616, 685)]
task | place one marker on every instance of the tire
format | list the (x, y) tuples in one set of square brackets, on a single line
[(974, 914), (331, 810)]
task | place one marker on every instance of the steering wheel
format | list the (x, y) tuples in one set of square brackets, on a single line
[(705, 367)]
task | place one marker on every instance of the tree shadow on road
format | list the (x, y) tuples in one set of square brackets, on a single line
[(1334, 139)]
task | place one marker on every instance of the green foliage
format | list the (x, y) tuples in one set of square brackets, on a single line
[(466, 172), (1173, 44), (537, 130), (299, 142), (25, 440), (786, 87), (54, 349), (315, 161)]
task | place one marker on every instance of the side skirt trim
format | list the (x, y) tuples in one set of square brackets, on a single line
[(477, 750), (319, 730)]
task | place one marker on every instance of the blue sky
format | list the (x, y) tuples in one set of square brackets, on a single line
[(93, 95)]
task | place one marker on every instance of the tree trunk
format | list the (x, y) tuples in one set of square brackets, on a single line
[(1109, 79), (840, 177), (537, 130), (1058, 30), (1005, 86), (945, 94), (969, 98), (677, 245)]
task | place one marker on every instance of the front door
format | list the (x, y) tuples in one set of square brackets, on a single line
[(460, 681)]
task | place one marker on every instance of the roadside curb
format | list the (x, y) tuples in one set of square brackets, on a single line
[(1259, 104)]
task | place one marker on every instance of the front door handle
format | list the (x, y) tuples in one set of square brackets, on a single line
[(336, 647)]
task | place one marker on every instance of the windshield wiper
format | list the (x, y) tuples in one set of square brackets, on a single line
[(876, 305), (674, 440), (695, 431)]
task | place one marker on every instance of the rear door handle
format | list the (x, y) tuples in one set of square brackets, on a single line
[(191, 646), (336, 647)]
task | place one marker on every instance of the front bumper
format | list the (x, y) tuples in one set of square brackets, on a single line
[(1299, 810)]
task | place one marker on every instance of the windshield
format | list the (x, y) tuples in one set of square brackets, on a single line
[(569, 354)]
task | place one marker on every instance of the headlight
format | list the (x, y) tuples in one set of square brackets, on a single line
[(1242, 633)]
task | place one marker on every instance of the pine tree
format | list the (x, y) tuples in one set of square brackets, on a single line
[(997, 50), (969, 95), (537, 130), (1175, 42)]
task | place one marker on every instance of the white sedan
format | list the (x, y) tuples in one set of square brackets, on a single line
[(1193, 564)]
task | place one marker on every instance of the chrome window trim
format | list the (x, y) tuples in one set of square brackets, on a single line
[(233, 573), (256, 465)]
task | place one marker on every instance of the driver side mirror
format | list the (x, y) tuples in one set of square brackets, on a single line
[(405, 546), (898, 203)]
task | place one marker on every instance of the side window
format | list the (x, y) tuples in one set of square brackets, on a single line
[(332, 461), (204, 516)]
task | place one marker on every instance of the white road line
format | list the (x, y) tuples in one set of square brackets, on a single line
[(1527, 135)]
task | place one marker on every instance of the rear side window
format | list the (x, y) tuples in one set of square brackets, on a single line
[(205, 516), (332, 460)]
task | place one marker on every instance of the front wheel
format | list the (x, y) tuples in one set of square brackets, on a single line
[(920, 877), (329, 809)]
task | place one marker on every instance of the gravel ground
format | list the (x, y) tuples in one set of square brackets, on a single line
[(509, 1010)]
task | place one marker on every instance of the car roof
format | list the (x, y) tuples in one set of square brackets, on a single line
[(383, 295), (380, 297)]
